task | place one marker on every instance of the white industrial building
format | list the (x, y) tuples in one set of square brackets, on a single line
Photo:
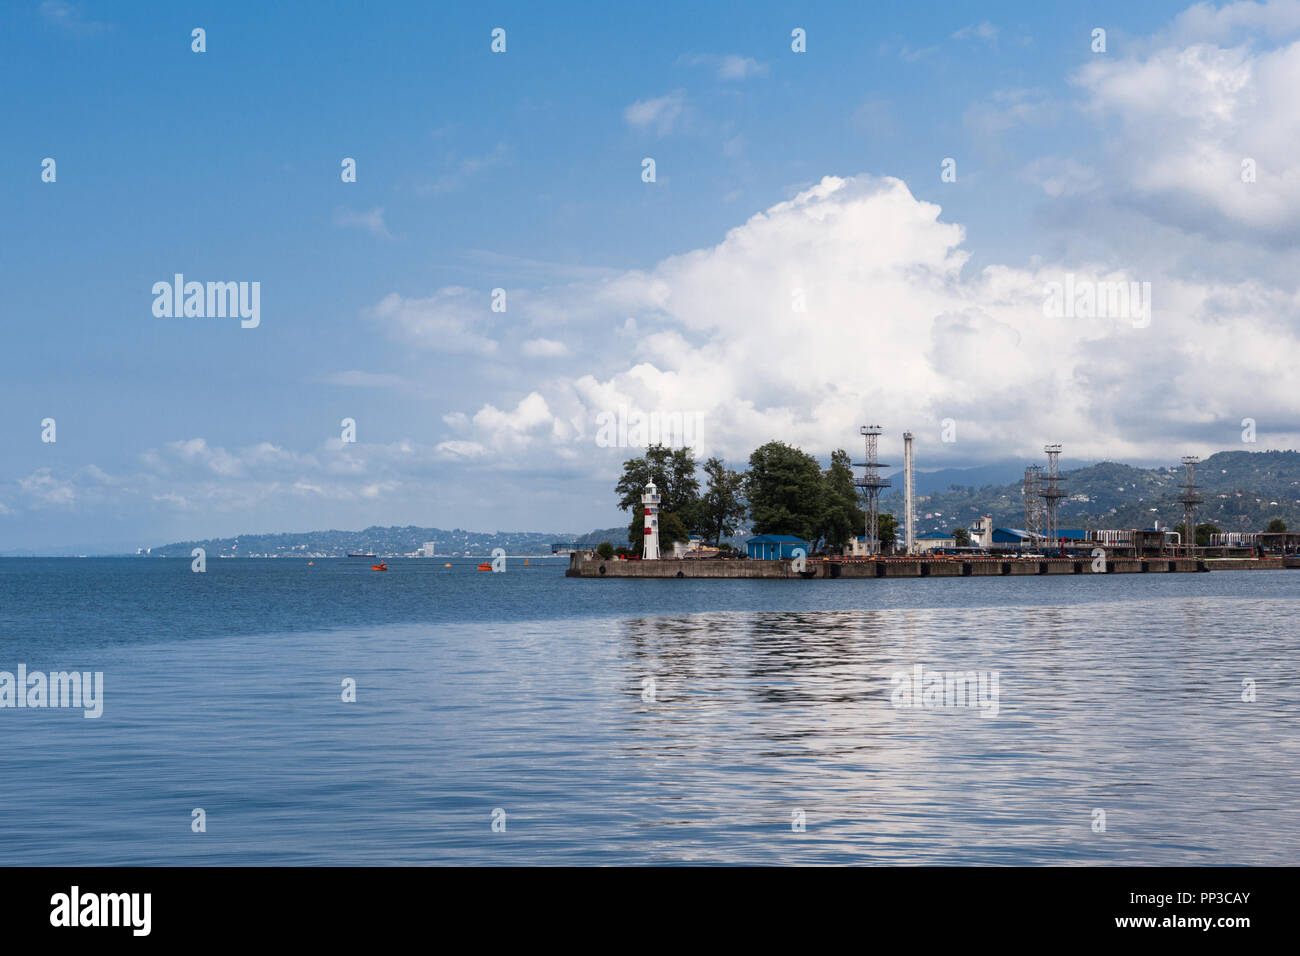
[(934, 539), (859, 547)]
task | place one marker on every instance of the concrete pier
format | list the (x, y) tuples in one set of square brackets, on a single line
[(586, 564), (1250, 564)]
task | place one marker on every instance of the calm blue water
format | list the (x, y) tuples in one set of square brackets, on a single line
[(524, 691)]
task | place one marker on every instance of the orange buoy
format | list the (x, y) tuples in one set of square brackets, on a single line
[(447, 565)]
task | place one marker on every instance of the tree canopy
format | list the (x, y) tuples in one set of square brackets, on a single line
[(1203, 531), (887, 530), (842, 516), (722, 507), (673, 472), (784, 487), (784, 491)]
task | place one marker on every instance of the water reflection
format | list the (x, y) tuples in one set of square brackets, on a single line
[(1133, 707), (1117, 706)]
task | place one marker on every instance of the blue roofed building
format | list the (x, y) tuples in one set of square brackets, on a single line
[(1017, 536), (1010, 536), (774, 547), (934, 539)]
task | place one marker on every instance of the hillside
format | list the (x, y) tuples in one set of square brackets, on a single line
[(386, 542), (1243, 491)]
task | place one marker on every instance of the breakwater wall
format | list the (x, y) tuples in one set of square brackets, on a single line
[(1250, 564), (585, 564)]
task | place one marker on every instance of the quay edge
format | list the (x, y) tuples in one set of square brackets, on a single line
[(585, 564)]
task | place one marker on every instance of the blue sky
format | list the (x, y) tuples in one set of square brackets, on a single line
[(522, 171)]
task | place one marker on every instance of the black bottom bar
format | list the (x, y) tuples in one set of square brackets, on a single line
[(653, 906)]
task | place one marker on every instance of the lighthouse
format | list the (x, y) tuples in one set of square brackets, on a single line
[(651, 502)]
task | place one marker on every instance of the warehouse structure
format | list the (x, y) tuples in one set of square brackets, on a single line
[(1019, 537), (932, 540), (774, 547)]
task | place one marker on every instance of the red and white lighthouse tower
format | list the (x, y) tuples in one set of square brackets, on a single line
[(650, 500)]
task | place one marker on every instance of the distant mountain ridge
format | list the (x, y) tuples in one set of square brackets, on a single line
[(385, 542), (1243, 491)]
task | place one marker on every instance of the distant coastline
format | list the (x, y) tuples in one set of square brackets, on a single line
[(388, 542), (1243, 491)]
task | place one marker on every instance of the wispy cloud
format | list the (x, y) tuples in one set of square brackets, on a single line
[(727, 66), (1061, 176), (545, 348), (904, 51), (353, 378), (460, 169), (444, 322), (371, 221), (485, 262), (660, 113), (45, 490), (978, 31), (1006, 110), (64, 15)]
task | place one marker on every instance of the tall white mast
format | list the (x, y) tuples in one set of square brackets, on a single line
[(909, 509)]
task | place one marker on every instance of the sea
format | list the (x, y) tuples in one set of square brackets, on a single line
[(281, 712)]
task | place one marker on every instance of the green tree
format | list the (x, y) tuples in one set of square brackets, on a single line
[(721, 508), (605, 549), (886, 530), (1276, 526), (842, 517), (785, 491), (961, 536), (673, 472), (1203, 532), (671, 528)]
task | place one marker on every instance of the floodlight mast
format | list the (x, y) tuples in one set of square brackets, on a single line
[(871, 484)]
